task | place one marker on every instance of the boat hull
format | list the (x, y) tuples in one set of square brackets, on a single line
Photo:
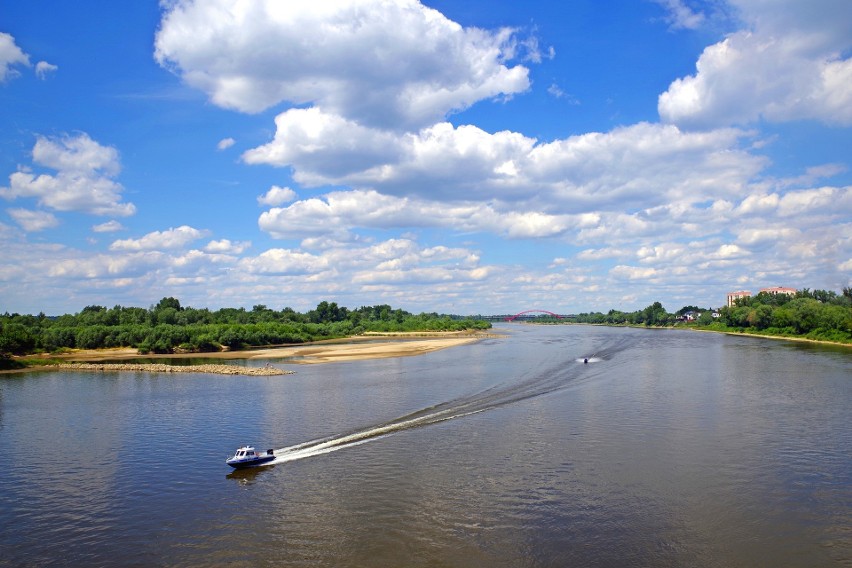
[(239, 464)]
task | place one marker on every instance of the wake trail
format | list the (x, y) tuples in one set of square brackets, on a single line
[(557, 377)]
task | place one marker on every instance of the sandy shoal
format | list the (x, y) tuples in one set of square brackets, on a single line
[(373, 346)]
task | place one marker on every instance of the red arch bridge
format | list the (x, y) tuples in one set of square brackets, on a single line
[(521, 315)]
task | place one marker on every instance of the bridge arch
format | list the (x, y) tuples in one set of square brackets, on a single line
[(519, 314)]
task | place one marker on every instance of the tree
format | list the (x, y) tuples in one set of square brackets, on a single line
[(16, 339), (655, 314), (168, 303), (760, 317), (167, 315)]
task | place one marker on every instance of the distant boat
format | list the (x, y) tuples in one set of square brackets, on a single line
[(248, 457)]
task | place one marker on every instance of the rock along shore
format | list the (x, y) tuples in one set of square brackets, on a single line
[(161, 368)]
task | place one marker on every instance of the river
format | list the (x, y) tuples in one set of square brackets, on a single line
[(669, 448)]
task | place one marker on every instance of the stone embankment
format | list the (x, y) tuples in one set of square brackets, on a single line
[(161, 368)]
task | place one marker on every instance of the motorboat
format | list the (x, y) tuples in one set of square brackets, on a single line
[(247, 456)]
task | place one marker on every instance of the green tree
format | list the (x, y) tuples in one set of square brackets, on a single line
[(168, 303), (760, 317), (655, 314), (15, 338)]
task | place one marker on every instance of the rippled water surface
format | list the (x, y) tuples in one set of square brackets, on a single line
[(668, 449)]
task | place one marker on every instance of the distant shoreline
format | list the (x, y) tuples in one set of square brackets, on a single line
[(356, 348)]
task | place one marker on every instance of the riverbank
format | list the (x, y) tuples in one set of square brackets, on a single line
[(783, 337), (800, 339), (372, 346), (163, 368)]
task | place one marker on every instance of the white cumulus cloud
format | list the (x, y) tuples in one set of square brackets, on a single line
[(173, 238), (790, 62), (284, 261), (277, 196), (33, 221), (83, 180), (226, 246), (379, 62), (640, 164)]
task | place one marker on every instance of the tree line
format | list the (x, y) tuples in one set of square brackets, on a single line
[(168, 327), (819, 314)]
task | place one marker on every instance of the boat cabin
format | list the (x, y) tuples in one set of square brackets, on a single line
[(246, 452)]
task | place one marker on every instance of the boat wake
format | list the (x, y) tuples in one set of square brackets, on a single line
[(555, 378)]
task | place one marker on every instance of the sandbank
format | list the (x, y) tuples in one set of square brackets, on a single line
[(368, 346)]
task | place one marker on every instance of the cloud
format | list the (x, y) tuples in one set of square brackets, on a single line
[(603, 253), (791, 62), (680, 16), (160, 240), (277, 196), (339, 210), (33, 221), (225, 246), (43, 69), (750, 236), (108, 227), (324, 142), (225, 143), (629, 166), (634, 272), (284, 261), (800, 202), (107, 266), (556, 92), (83, 182), (342, 211), (384, 63), (391, 265), (10, 55)]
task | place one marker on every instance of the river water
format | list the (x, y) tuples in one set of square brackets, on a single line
[(669, 448)]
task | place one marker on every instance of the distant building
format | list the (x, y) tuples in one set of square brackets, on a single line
[(734, 296), (689, 316), (779, 290)]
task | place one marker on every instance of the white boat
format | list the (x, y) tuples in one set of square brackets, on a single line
[(247, 456)]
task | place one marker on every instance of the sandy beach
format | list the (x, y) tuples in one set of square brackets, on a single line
[(368, 346)]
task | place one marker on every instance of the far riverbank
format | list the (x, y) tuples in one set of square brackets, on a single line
[(765, 336), (368, 346)]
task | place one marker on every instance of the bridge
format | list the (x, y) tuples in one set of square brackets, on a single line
[(529, 315)]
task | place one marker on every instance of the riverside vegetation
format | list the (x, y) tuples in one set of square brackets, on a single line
[(169, 327), (818, 315)]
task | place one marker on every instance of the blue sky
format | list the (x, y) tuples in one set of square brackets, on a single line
[(464, 157)]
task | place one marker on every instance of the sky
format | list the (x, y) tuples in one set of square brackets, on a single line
[(478, 157)]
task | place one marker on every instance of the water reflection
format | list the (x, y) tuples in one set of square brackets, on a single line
[(248, 475)]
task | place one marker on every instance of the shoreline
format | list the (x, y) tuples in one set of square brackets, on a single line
[(163, 368), (356, 348), (738, 333), (782, 337)]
